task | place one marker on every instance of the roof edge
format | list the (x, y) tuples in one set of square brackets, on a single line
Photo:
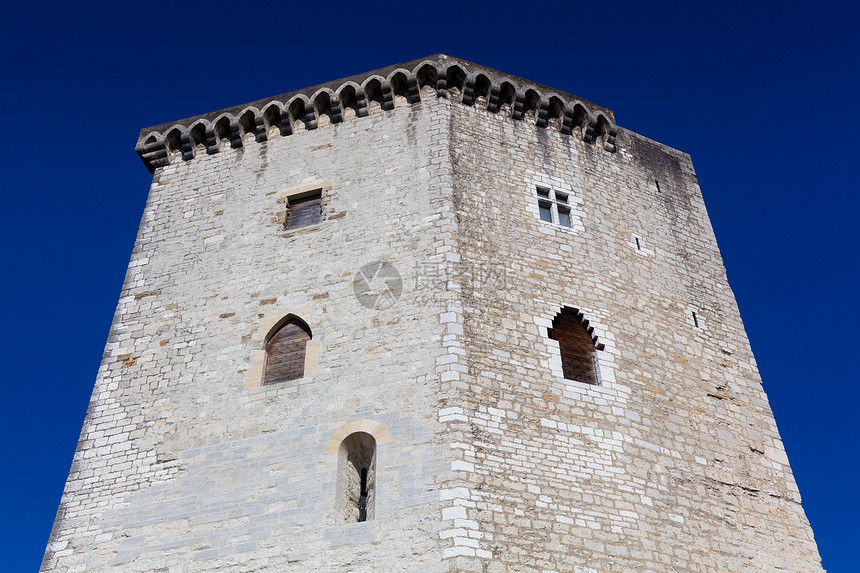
[(355, 96)]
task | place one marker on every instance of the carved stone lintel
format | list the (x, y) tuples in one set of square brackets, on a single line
[(310, 118), (260, 128), (361, 104), (542, 114), (493, 99), (442, 88), (336, 112), (414, 90), (387, 96), (469, 91), (517, 110)]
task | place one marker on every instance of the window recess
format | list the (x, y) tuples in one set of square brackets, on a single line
[(356, 477), (577, 344), (553, 206), (304, 210), (285, 352)]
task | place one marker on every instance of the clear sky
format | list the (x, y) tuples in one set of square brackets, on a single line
[(765, 96)]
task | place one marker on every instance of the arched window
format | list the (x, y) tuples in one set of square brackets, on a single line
[(285, 351), (577, 345), (356, 477)]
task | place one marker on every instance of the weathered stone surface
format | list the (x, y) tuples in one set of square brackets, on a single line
[(488, 459)]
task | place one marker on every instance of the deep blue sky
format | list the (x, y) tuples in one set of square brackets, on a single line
[(764, 96)]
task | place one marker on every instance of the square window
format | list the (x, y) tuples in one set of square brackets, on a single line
[(553, 206), (304, 210)]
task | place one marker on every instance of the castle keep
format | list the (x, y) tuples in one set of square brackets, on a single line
[(429, 318)]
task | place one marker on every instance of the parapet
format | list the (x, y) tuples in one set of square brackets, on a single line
[(356, 96)]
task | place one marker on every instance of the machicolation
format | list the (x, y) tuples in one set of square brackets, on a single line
[(437, 76)]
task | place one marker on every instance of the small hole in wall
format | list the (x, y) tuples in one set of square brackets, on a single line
[(638, 248), (657, 183), (695, 320)]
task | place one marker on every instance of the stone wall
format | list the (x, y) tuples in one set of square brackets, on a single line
[(672, 463), (187, 463), (487, 458)]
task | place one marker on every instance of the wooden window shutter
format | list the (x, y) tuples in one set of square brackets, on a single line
[(304, 211), (285, 352), (578, 352)]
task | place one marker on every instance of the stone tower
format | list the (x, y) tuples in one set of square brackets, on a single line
[(429, 318)]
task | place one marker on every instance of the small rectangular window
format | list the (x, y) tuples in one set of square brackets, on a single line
[(553, 206), (563, 216), (545, 211), (304, 211)]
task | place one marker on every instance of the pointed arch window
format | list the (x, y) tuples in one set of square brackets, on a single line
[(577, 344), (356, 479), (285, 351)]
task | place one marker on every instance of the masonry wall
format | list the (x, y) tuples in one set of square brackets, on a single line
[(673, 463), (487, 458), (187, 463)]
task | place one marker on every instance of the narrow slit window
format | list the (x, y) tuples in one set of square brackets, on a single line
[(695, 320), (577, 345), (356, 477), (362, 500), (637, 244), (304, 210), (657, 183), (285, 352)]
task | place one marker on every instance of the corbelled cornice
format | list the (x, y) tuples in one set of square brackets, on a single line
[(383, 89)]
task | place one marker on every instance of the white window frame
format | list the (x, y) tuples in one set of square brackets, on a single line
[(557, 203)]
